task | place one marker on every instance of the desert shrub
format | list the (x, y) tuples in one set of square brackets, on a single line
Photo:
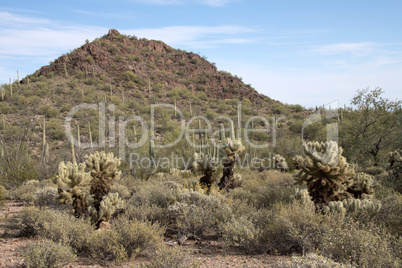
[(241, 233), (55, 129), (123, 191), (66, 229), (125, 239), (390, 214), (48, 111), (54, 225), (265, 189), (27, 223), (348, 242), (170, 257), (195, 212), (293, 227), (150, 203), (26, 192), (283, 229), (46, 197), (47, 254), (310, 260), (264, 196)]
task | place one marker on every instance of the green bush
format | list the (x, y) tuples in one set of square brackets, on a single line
[(241, 233), (174, 257), (46, 197), (26, 192), (195, 212), (125, 240), (310, 260), (54, 225), (390, 214), (47, 254), (48, 111), (351, 243)]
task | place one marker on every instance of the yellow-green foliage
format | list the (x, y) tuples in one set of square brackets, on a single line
[(233, 148), (280, 163), (47, 254), (326, 172), (204, 163), (126, 239), (354, 207), (108, 206), (103, 165), (72, 181)]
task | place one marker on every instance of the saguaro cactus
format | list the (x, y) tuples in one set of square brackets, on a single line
[(326, 172), (73, 183), (104, 170)]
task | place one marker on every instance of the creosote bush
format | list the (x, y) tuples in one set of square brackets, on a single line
[(47, 254), (125, 240)]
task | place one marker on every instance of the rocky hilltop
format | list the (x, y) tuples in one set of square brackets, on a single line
[(152, 62)]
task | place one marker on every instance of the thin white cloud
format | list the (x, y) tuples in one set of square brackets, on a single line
[(11, 19), (362, 48)]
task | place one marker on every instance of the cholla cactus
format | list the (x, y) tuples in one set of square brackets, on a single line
[(233, 149), (301, 195), (354, 207), (326, 173), (395, 168), (297, 159), (104, 170), (73, 183), (207, 165), (280, 163), (363, 186), (108, 206)]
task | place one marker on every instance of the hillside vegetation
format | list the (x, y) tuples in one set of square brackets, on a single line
[(109, 201)]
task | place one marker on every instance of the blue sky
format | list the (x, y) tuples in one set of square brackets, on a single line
[(298, 52)]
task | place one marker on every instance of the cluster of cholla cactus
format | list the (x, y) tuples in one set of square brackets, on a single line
[(296, 160), (280, 163), (73, 184), (362, 187), (206, 164), (354, 207), (395, 168), (328, 175), (108, 206), (233, 148), (104, 170)]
